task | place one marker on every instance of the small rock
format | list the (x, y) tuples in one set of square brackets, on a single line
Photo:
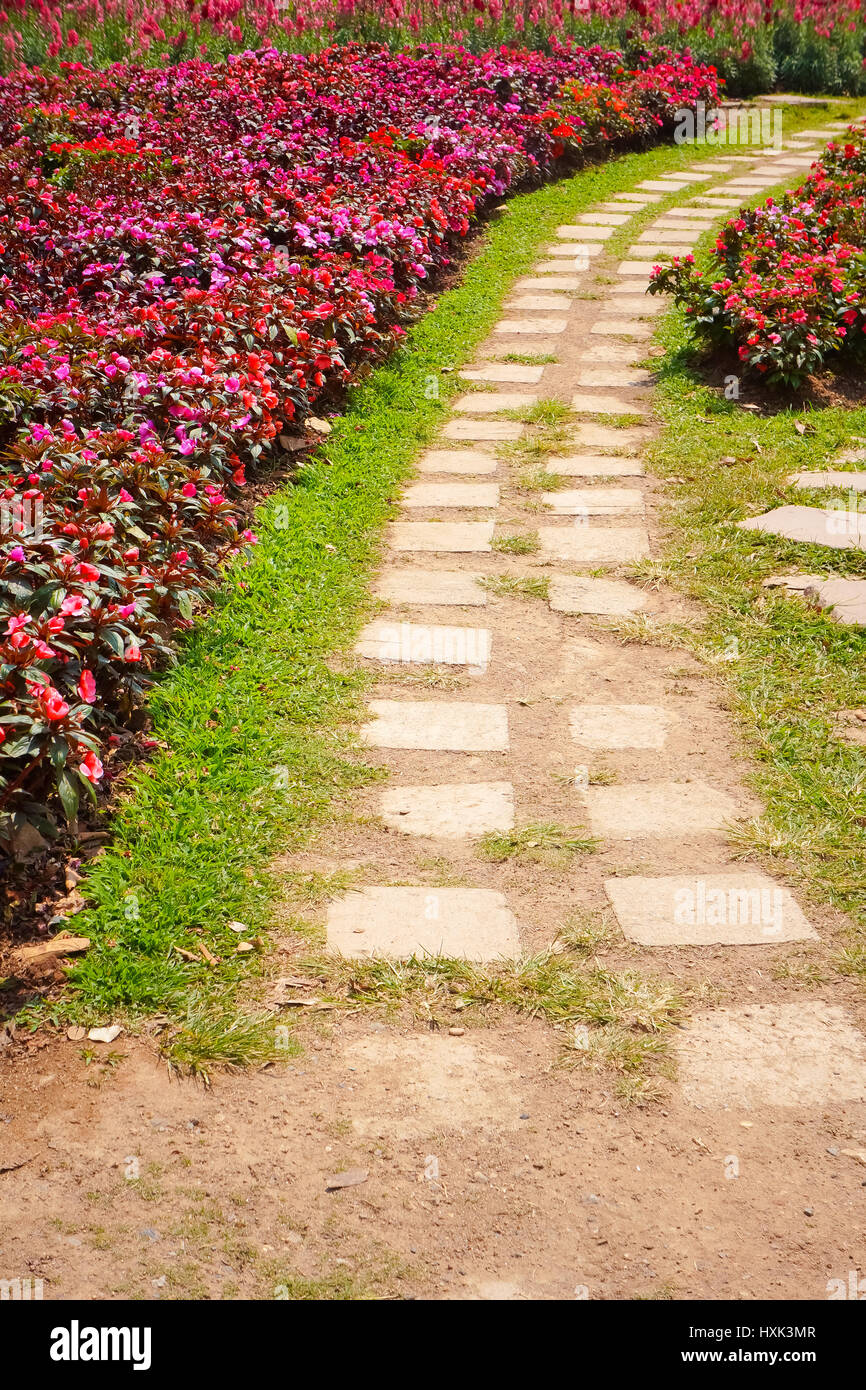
[(351, 1178), (456, 1032), (808, 1211), (76, 1033), (105, 1035)]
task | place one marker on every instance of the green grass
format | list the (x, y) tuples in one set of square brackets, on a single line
[(788, 666), (538, 843), (255, 722), (515, 586)]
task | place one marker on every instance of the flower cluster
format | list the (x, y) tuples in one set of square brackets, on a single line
[(809, 45), (787, 287), (192, 260)]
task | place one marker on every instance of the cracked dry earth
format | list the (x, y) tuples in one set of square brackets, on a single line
[(495, 1171)]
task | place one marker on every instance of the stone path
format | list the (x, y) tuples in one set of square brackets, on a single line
[(497, 1160), (661, 801)]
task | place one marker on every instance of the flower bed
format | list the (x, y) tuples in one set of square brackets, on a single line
[(192, 260), (797, 45), (787, 287)]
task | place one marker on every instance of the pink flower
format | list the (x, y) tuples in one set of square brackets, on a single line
[(91, 768), (87, 687)]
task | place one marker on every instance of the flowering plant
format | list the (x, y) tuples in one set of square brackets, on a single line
[(787, 287)]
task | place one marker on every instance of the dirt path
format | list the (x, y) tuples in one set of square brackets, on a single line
[(496, 1166)]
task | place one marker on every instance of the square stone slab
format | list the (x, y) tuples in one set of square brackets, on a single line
[(845, 598), (661, 251), (530, 326), (437, 726), (841, 529), (467, 923), (621, 328), (549, 282), (559, 268), (608, 437), (642, 268), (613, 376), (658, 808), (594, 501), (587, 232), (612, 354), (659, 236), (612, 727), (659, 185), (579, 250), (640, 305), (504, 371), (732, 909), (537, 303), (457, 461), (570, 593), (425, 644), (715, 201), (483, 431), (603, 219), (451, 812), (418, 586), (454, 537), (451, 495), (639, 198), (806, 1053), (586, 545), (489, 402), (595, 466), (855, 482), (588, 403)]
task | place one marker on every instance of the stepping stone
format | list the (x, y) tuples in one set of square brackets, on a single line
[(715, 201), (642, 268), (621, 328), (451, 812), (570, 593), (808, 1053), (586, 545), (558, 268), (595, 466), (583, 249), (519, 327), (454, 537), (603, 219), (467, 923), (489, 402), (639, 305), (615, 727), (612, 354), (731, 909), (660, 251), (425, 644), (594, 501), (658, 236), (856, 482), (607, 437), (586, 403), (483, 431), (690, 214), (613, 376), (587, 233), (536, 303), (720, 167), (845, 598), (418, 586), (658, 808), (679, 223), (851, 456), (503, 348), (457, 461), (503, 371), (549, 282), (680, 176), (661, 186), (451, 495), (838, 528), (640, 198), (437, 726)]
